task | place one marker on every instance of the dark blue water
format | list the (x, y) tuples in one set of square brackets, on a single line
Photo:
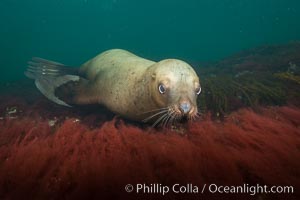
[(72, 31)]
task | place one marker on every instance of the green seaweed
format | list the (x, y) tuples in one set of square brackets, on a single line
[(224, 93), (263, 76), (288, 76)]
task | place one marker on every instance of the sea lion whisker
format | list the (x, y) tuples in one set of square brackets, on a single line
[(173, 118), (159, 119), (198, 114), (177, 116), (158, 113), (193, 118), (170, 121), (165, 121), (159, 109)]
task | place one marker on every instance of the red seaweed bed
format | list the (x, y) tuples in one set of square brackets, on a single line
[(53, 152)]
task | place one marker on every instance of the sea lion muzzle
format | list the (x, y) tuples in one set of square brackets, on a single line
[(185, 107)]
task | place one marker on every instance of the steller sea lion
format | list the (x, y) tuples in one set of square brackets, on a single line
[(131, 86)]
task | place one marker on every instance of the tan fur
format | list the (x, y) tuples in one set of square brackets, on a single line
[(128, 84)]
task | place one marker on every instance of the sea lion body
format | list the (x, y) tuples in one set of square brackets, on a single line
[(118, 82), (131, 86)]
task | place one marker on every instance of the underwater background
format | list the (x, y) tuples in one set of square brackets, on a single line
[(73, 31), (246, 53)]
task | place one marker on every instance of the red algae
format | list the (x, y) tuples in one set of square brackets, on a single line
[(50, 152), (72, 161)]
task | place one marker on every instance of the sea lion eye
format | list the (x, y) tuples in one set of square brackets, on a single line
[(198, 90), (161, 88)]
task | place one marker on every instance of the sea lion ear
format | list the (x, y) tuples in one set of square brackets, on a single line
[(153, 76)]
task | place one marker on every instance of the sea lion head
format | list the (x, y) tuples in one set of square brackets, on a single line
[(175, 87)]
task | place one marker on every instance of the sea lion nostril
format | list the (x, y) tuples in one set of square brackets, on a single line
[(185, 107)]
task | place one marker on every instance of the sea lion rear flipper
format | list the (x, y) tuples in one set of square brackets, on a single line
[(59, 83)]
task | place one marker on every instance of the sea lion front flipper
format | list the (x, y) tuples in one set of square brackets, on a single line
[(48, 87), (77, 91), (59, 83)]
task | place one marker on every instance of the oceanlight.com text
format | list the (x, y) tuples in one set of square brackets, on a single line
[(157, 188)]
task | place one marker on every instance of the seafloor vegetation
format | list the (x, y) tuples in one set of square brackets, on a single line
[(262, 76), (53, 152)]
